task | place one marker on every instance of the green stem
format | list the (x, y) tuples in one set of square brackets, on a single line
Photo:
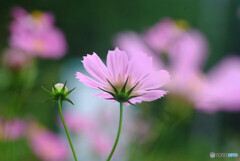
[(65, 127), (118, 134)]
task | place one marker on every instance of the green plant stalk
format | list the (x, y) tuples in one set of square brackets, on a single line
[(118, 134), (65, 127)]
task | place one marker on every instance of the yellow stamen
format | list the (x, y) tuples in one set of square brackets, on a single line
[(182, 24), (37, 14)]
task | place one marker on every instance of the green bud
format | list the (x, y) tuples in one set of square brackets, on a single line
[(59, 91)]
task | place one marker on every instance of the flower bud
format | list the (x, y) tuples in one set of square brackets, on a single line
[(59, 91), (59, 87)]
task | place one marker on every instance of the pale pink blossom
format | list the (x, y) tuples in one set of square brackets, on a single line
[(78, 123), (13, 129), (189, 52), (135, 74), (222, 89), (132, 42), (47, 145), (101, 143), (16, 59), (186, 53), (161, 36), (186, 59), (36, 34)]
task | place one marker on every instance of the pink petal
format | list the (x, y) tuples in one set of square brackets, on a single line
[(88, 81), (155, 80), (132, 43), (161, 36), (151, 95), (117, 63), (18, 12), (105, 95), (140, 66), (189, 52), (95, 67), (223, 89)]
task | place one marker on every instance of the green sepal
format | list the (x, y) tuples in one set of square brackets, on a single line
[(63, 89), (107, 91), (67, 93), (68, 100), (50, 92), (130, 91), (115, 90), (124, 86)]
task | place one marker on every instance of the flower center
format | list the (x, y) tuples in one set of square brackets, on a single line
[(122, 94)]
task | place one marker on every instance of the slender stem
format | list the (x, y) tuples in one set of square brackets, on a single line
[(118, 134), (65, 127)]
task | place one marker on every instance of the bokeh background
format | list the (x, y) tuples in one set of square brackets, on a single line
[(150, 133)]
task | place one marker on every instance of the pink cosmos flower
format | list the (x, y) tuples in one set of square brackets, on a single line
[(35, 33), (47, 145), (16, 59), (128, 79)]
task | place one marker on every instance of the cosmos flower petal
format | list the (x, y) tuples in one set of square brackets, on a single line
[(132, 43), (105, 95), (156, 80), (95, 67), (222, 90), (117, 63), (189, 52), (140, 66), (152, 95), (88, 81)]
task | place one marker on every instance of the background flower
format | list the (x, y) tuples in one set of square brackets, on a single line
[(36, 34)]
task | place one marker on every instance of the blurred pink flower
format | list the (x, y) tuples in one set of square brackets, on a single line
[(78, 123), (132, 42), (222, 89), (100, 143), (187, 51), (186, 59), (161, 36), (13, 129), (47, 145), (35, 33), (16, 59), (121, 69)]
